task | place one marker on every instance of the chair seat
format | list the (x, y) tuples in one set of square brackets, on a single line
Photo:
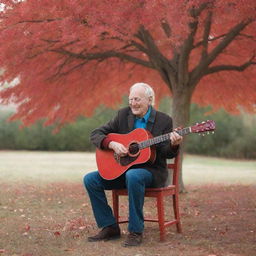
[(170, 188)]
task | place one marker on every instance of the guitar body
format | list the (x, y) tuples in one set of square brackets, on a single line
[(140, 145), (111, 166)]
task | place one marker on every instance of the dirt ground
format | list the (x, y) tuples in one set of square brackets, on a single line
[(56, 220), (49, 214)]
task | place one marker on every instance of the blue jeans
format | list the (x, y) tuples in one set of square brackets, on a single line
[(135, 180)]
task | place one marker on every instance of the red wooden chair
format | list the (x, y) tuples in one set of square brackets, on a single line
[(172, 191)]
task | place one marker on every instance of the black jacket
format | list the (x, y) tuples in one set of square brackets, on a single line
[(158, 123)]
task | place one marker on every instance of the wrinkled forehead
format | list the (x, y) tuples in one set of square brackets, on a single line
[(138, 92)]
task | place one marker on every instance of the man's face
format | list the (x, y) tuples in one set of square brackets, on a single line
[(139, 101)]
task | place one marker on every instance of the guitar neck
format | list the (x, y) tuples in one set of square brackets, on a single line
[(162, 138)]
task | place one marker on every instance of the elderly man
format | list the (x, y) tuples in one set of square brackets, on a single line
[(139, 114)]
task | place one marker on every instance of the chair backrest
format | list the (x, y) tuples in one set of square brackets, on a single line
[(174, 171)]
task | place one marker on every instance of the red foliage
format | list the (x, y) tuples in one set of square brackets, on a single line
[(43, 44)]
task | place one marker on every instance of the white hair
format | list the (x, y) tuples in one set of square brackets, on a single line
[(148, 90)]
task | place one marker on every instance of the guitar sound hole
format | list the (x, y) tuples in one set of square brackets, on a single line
[(133, 148)]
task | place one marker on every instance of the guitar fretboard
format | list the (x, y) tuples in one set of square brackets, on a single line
[(162, 138)]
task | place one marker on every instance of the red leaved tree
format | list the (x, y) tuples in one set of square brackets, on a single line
[(69, 56)]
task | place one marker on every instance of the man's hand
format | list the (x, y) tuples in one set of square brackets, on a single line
[(175, 138), (118, 148)]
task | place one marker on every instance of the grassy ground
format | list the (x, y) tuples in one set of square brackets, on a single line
[(45, 167), (45, 211)]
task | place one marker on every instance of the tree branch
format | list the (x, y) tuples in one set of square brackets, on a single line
[(184, 54), (248, 36), (60, 73), (233, 33), (158, 60), (104, 55), (187, 47), (207, 30), (37, 21), (166, 28), (195, 12), (240, 68), (199, 71), (48, 48), (210, 40), (140, 47), (31, 21)]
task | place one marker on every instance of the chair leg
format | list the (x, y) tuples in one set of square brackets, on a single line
[(176, 212), (115, 200), (160, 211)]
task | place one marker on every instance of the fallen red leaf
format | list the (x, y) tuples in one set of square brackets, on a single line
[(57, 233), (69, 249), (27, 227)]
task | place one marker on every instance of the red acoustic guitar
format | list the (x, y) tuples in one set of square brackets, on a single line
[(139, 143)]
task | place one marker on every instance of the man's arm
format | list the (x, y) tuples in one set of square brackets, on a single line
[(99, 135)]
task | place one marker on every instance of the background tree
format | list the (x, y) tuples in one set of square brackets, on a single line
[(71, 55)]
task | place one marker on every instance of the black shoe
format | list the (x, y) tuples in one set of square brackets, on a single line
[(107, 233), (133, 239)]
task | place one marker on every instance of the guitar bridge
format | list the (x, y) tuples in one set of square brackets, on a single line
[(125, 160), (117, 157)]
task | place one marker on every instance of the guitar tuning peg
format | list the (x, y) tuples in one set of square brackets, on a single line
[(213, 132), (208, 132)]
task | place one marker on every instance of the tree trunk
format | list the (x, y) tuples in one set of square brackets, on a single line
[(181, 114)]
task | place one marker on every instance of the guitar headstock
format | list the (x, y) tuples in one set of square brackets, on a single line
[(205, 126)]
